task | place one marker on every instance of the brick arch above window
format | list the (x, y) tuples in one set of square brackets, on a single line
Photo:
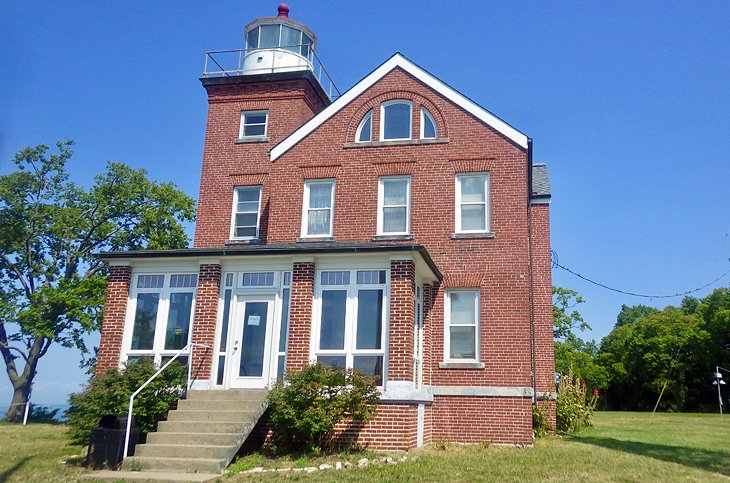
[(416, 100)]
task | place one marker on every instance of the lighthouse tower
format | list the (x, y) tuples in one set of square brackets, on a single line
[(257, 96)]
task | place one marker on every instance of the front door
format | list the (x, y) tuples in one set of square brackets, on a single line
[(250, 356)]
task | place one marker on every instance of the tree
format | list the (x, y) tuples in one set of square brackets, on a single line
[(51, 286), (630, 314), (565, 320)]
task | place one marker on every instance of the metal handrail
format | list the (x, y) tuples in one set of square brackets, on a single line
[(313, 61), (159, 371)]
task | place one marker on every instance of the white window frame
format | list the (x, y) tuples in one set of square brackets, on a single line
[(244, 124), (358, 133), (382, 206), (459, 203), (382, 119), (235, 212), (305, 207), (447, 323), (158, 350), (350, 350), (426, 114)]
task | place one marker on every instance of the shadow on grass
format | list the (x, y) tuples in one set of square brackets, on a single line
[(708, 460), (9, 472)]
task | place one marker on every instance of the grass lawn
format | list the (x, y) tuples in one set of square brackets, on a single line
[(620, 447)]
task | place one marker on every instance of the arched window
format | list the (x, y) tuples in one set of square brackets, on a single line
[(365, 129), (396, 119), (428, 125)]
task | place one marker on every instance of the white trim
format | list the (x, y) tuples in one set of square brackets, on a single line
[(381, 201), (305, 207), (243, 124), (365, 118), (393, 102), (447, 323), (426, 114), (398, 60), (458, 202)]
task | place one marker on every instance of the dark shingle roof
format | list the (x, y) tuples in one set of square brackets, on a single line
[(540, 181)]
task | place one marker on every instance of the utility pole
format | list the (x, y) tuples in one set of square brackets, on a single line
[(719, 382)]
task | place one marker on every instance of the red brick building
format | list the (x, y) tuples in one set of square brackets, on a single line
[(399, 229)]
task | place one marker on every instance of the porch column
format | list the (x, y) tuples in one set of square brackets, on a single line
[(115, 312), (204, 321), (300, 314), (401, 332)]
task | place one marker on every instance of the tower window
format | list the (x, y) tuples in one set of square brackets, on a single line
[(395, 120), (254, 124)]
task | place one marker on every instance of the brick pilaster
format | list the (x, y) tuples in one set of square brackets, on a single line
[(115, 311), (204, 322), (401, 331), (300, 315)]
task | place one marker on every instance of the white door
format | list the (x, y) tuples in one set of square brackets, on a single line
[(250, 355)]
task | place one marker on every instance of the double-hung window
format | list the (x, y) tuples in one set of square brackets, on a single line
[(254, 124), (163, 308), (394, 205), (351, 320), (318, 209), (396, 119), (246, 210), (461, 309), (472, 203)]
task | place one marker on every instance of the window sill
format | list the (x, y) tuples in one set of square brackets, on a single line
[(461, 365), (314, 239), (252, 139), (252, 241), (399, 142), (471, 236), (392, 237)]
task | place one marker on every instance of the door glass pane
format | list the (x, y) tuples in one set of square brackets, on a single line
[(370, 365), (394, 220), (284, 330), (463, 308), (178, 320), (463, 342), (397, 123), (336, 362), (473, 217), (221, 369), (369, 319), (145, 318), (269, 36), (281, 365), (472, 189), (332, 326), (254, 339)]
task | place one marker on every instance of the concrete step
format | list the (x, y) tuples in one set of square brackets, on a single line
[(203, 427), (231, 394), (195, 438), (179, 465), (213, 415), (219, 405), (150, 476), (186, 451)]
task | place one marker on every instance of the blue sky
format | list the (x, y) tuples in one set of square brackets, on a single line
[(627, 102)]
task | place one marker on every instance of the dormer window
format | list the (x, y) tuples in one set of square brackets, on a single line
[(365, 129), (428, 126), (254, 124), (396, 119)]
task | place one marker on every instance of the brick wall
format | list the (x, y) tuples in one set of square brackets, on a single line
[(393, 428), (401, 330), (300, 316), (204, 320), (115, 310)]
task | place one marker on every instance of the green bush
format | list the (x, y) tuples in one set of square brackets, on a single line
[(109, 394), (540, 421), (308, 404), (574, 406)]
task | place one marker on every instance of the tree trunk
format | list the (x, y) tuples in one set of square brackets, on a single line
[(21, 389)]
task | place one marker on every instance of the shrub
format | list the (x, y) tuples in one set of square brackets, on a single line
[(540, 421), (308, 404), (44, 414), (574, 406), (109, 394)]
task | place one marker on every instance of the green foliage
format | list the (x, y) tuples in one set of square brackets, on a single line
[(43, 414), (580, 357), (575, 404), (630, 314), (52, 285), (306, 407), (565, 320), (109, 394), (540, 421)]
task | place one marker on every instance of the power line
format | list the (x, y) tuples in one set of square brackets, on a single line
[(556, 264)]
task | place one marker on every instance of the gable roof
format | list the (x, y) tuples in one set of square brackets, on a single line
[(398, 60)]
